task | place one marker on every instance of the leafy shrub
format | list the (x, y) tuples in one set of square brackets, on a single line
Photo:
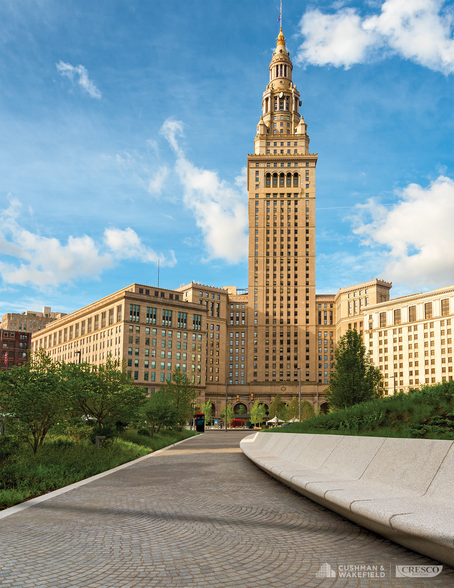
[(62, 442), (426, 413), (109, 431), (8, 447), (145, 432)]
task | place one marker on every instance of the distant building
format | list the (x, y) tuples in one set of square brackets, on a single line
[(29, 321), (153, 329), (410, 338), (15, 347)]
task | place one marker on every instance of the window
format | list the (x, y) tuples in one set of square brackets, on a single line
[(151, 315), (383, 319), (166, 318), (196, 322), (445, 307), (397, 317), (182, 320), (411, 314), (134, 313), (428, 310)]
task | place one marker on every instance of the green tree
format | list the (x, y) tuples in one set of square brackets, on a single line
[(230, 413), (241, 409), (104, 393), (207, 409), (354, 379), (159, 411), (182, 394), (307, 410), (293, 409), (34, 398), (258, 413), (276, 408)]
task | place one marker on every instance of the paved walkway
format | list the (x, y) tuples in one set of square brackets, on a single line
[(199, 514)]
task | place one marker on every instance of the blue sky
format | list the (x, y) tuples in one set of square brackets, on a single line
[(125, 126)]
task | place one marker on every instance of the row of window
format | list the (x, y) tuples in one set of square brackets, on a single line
[(159, 294), (207, 295), (428, 313), (166, 317), (46, 342)]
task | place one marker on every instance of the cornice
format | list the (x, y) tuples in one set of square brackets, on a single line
[(402, 300), (284, 156), (120, 296)]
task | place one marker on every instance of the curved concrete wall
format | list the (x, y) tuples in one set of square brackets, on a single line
[(402, 489)]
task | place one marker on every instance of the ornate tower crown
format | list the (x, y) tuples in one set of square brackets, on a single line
[(281, 67), (281, 119)]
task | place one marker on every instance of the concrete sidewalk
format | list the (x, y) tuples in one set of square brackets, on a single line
[(199, 514)]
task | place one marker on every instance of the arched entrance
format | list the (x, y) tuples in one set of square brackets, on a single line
[(240, 408), (324, 408)]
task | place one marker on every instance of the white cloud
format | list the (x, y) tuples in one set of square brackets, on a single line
[(414, 239), (46, 262), (127, 245), (68, 70), (220, 209), (157, 182), (152, 145), (418, 30), (171, 129)]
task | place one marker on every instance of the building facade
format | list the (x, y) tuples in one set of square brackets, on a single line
[(15, 348), (152, 329), (29, 321), (410, 339)]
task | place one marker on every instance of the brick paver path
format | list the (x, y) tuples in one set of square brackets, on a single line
[(200, 514)]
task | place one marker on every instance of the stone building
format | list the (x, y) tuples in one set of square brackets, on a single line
[(30, 321), (153, 329), (410, 338), (15, 348)]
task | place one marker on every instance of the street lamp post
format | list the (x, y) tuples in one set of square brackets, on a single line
[(299, 391), (225, 421), (317, 398)]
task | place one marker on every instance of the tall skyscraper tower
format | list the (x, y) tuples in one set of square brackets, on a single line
[(281, 186)]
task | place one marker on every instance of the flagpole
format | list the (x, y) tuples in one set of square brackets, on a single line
[(281, 14)]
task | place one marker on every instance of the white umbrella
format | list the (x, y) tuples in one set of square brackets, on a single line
[(294, 420), (274, 420)]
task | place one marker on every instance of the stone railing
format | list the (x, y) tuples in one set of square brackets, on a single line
[(402, 489)]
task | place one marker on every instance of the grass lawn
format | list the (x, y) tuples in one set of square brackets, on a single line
[(425, 414), (61, 461)]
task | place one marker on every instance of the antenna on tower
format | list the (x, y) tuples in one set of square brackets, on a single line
[(159, 261), (280, 14)]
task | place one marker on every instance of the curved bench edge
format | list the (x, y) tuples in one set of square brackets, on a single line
[(419, 542)]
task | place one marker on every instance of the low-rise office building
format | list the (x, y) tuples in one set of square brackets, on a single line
[(152, 329), (29, 321), (15, 348)]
